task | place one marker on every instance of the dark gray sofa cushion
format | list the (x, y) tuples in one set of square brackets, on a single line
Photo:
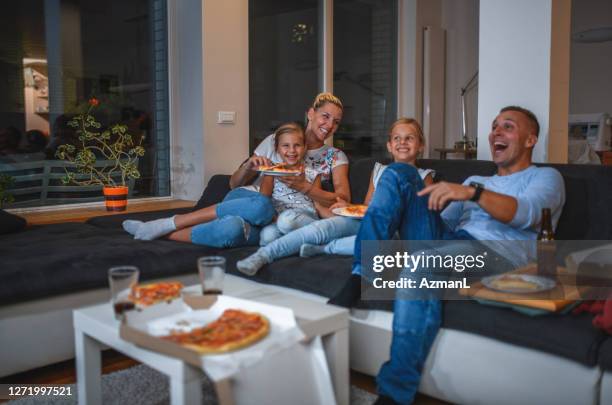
[(63, 258), (10, 223), (569, 336)]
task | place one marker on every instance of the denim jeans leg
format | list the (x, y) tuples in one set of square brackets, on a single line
[(290, 220), (415, 325), (226, 232), (342, 246), (254, 207), (317, 233), (269, 233), (395, 207), (417, 317)]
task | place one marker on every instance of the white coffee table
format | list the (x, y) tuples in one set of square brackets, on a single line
[(96, 329)]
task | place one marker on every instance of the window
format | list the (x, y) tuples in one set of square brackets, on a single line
[(365, 74), (284, 62), (286, 73), (55, 55)]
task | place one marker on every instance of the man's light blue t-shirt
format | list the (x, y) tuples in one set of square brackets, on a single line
[(534, 188)]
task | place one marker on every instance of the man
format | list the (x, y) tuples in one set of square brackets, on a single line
[(506, 206)]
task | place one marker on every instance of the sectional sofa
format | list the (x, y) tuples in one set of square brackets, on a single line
[(483, 354)]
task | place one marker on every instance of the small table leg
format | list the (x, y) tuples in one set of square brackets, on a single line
[(89, 368), (186, 387), (337, 352), (224, 392)]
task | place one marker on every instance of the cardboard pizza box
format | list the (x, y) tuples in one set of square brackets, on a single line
[(144, 328)]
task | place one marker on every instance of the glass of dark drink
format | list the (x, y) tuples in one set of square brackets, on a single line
[(212, 272), (121, 279)]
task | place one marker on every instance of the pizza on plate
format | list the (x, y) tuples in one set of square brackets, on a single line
[(233, 330), (513, 283), (355, 210), (279, 168), (149, 294)]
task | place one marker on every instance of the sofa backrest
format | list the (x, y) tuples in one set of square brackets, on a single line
[(587, 214)]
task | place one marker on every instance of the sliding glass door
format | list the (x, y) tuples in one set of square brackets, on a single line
[(286, 70)]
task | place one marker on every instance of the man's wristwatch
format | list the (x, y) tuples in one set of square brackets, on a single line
[(479, 187)]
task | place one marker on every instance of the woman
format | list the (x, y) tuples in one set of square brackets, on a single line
[(238, 219)]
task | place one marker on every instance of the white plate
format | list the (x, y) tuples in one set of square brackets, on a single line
[(343, 213), (279, 174), (541, 283)]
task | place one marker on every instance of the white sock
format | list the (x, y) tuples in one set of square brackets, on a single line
[(131, 226), (308, 250), (155, 229), (251, 265)]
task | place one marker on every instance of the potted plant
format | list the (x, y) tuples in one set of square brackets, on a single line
[(100, 155)]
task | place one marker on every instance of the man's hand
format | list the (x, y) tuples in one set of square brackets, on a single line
[(340, 203), (443, 192), (255, 161)]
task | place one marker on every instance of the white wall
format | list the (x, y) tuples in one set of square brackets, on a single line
[(514, 64), (226, 84), (591, 64)]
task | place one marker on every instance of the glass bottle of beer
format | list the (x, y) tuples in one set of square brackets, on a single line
[(547, 261)]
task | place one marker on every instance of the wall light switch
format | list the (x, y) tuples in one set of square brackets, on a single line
[(226, 117)]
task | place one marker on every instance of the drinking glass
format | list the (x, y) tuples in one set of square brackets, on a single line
[(121, 279), (212, 272)]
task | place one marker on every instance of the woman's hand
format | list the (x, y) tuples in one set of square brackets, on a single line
[(298, 183), (323, 211), (255, 161), (340, 203)]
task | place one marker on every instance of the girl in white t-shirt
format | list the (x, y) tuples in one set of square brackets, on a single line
[(406, 142), (294, 208)]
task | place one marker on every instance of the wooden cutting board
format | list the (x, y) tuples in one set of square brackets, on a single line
[(565, 292)]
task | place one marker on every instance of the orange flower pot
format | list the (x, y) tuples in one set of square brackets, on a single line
[(115, 198)]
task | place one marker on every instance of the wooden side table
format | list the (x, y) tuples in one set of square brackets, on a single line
[(467, 153)]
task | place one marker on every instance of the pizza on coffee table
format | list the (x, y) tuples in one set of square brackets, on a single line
[(233, 330), (149, 294)]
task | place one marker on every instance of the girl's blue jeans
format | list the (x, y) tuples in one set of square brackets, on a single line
[(316, 233), (240, 217)]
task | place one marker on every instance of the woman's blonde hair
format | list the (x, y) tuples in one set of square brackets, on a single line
[(409, 121), (323, 98), (291, 127)]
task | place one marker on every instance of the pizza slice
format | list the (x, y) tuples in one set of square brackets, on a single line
[(149, 294), (357, 209), (354, 210), (233, 330), (279, 168)]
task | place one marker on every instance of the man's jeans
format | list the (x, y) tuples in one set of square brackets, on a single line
[(240, 217), (417, 312), (317, 233)]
